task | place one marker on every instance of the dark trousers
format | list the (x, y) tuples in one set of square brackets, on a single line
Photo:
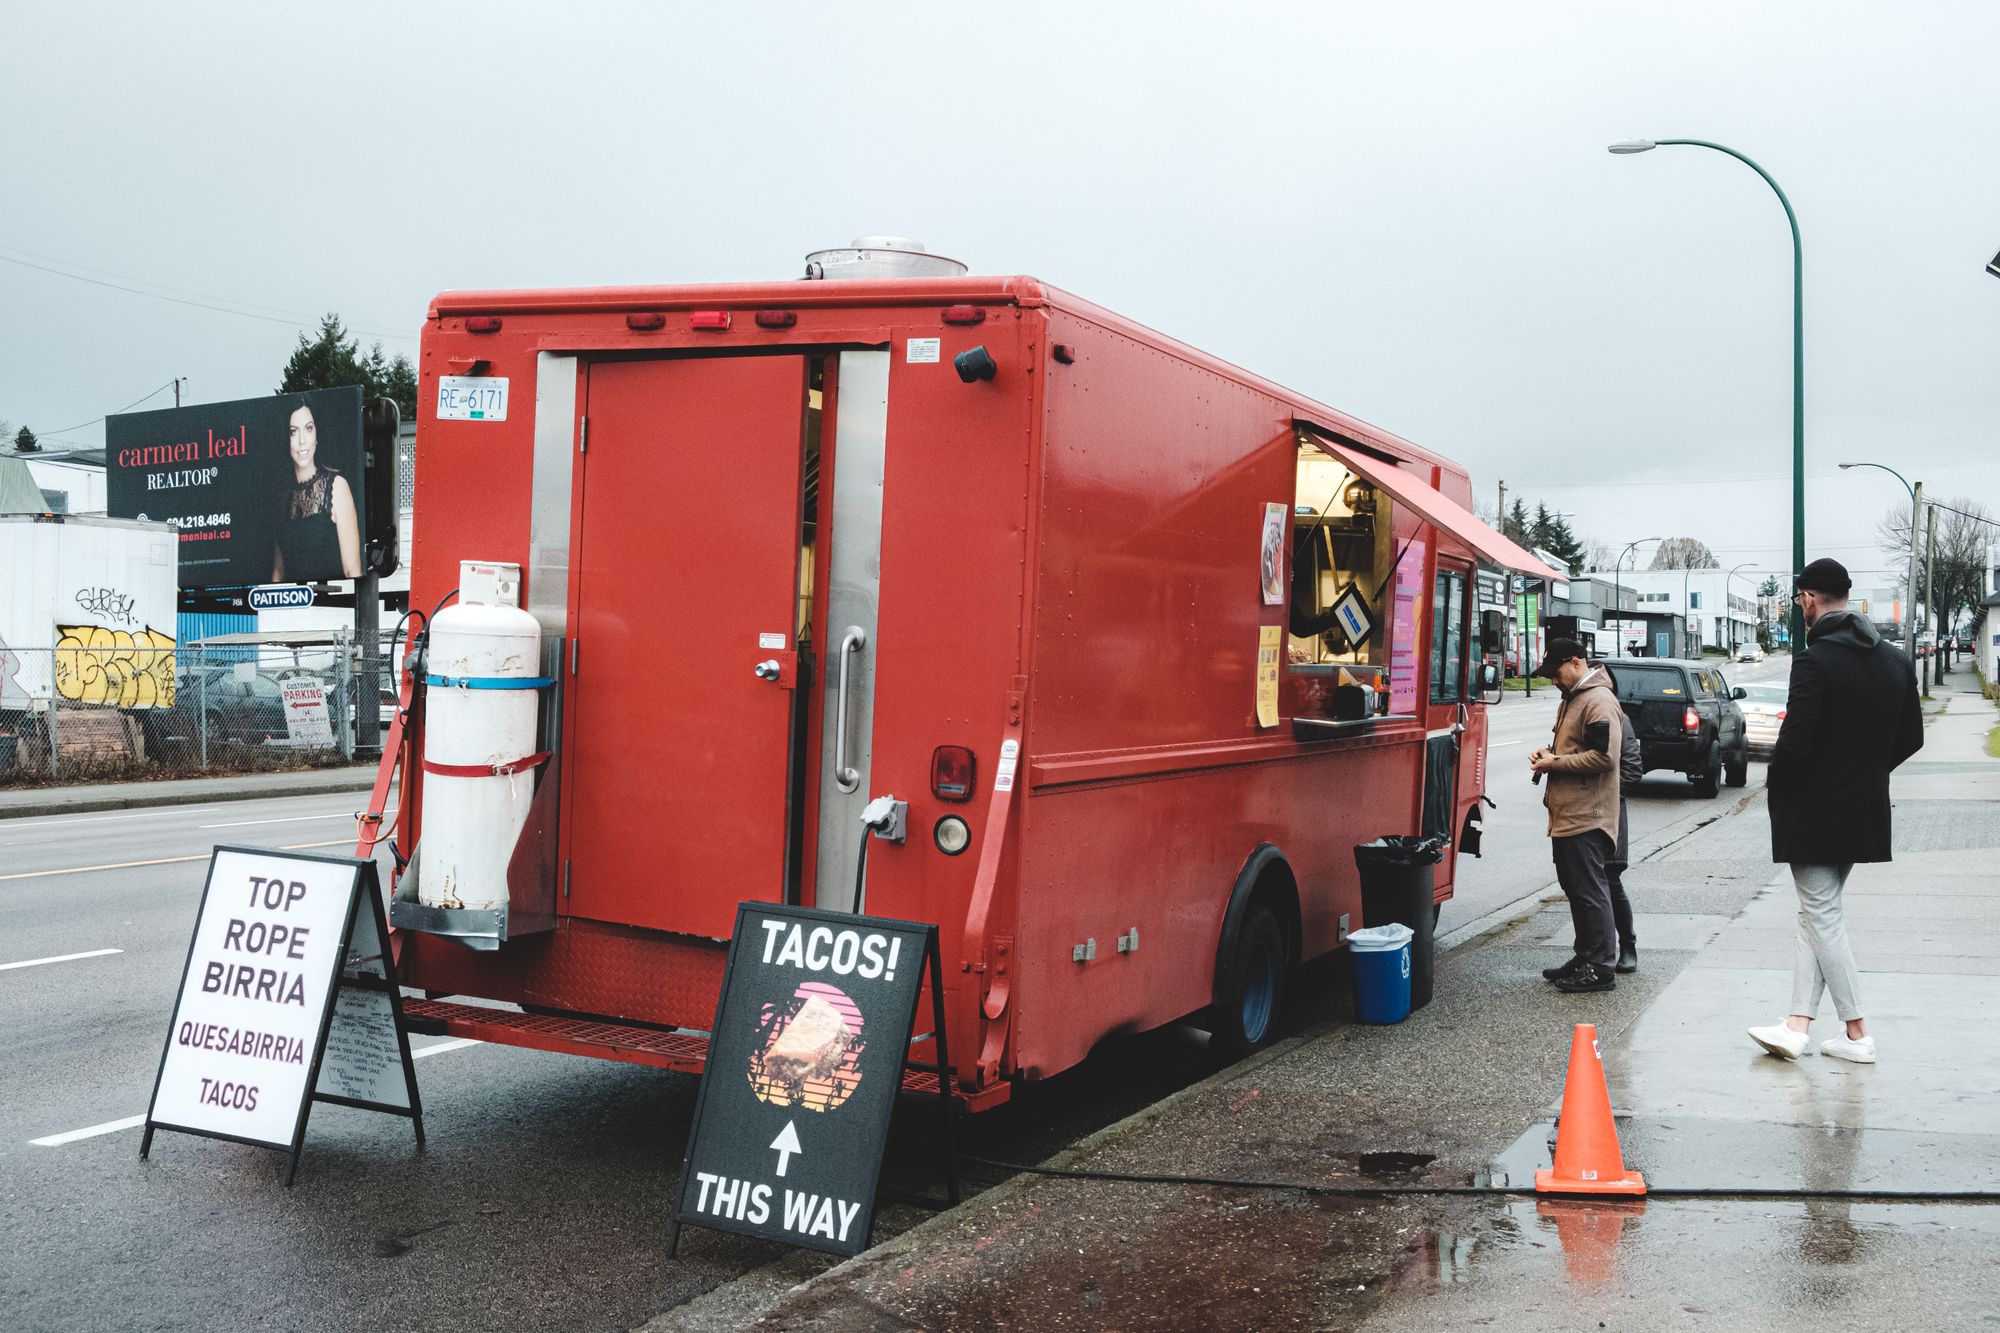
[(1621, 906), (1583, 870)]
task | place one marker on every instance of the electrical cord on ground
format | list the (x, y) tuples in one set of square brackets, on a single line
[(1467, 1191)]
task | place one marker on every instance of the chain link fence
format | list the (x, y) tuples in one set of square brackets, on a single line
[(109, 705)]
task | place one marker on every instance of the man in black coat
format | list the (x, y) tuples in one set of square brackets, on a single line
[(1851, 717)]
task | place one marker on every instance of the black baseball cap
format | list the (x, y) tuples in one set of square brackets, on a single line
[(1823, 575), (1560, 651)]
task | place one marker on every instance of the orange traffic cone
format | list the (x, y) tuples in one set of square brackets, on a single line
[(1587, 1156)]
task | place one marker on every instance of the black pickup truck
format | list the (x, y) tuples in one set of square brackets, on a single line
[(1686, 718)]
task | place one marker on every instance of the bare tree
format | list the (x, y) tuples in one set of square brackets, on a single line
[(1597, 555), (1684, 553), (1955, 575)]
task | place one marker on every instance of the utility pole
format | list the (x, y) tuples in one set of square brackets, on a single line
[(1930, 593), (177, 389), (1501, 521), (1910, 594)]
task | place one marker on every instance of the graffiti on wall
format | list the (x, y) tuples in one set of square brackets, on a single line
[(123, 668), (12, 696), (109, 603)]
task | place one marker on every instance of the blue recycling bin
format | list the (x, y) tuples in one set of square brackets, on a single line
[(1381, 973)]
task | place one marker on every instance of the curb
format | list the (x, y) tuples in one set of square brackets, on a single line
[(336, 780), (732, 1305)]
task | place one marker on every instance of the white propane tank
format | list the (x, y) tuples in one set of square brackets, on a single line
[(472, 823)]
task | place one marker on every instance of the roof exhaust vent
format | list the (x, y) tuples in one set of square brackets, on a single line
[(881, 257)]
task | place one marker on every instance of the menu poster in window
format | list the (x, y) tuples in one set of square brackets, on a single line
[(1271, 557), (1406, 617), (260, 1019), (1270, 646)]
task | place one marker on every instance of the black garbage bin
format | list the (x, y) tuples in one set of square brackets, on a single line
[(1398, 884)]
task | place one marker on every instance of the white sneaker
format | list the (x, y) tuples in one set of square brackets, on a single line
[(1784, 1043), (1861, 1050)]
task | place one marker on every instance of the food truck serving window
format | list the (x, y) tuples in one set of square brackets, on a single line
[(1356, 593)]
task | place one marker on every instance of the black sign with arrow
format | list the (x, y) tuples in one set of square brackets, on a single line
[(811, 1036)]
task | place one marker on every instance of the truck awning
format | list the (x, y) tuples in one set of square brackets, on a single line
[(1434, 507)]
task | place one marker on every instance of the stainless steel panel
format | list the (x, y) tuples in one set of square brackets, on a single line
[(854, 585), (549, 505)]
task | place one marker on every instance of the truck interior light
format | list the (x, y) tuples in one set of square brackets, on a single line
[(482, 324), (645, 321), (964, 314), (975, 364), (952, 771), (951, 835), (1691, 720), (709, 321), (776, 319)]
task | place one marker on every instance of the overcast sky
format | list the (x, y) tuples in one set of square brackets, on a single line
[(1403, 210)]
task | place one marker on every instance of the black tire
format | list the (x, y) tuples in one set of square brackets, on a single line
[(1737, 774), (1250, 994), (1708, 783)]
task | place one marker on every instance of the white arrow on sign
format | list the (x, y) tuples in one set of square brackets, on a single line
[(786, 1143)]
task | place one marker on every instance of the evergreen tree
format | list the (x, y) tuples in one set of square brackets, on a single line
[(24, 442), (1563, 543), (333, 361), (1515, 527)]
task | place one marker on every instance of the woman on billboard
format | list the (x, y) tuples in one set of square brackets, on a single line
[(319, 536)]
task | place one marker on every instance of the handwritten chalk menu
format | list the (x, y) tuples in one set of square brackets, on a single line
[(288, 997), (807, 1056)]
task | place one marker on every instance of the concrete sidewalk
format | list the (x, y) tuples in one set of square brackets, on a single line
[(20, 803), (1464, 1092)]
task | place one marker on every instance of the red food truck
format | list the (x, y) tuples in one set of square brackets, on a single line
[(1119, 650)]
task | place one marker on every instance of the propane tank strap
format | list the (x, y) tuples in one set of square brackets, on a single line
[(501, 769), (491, 682)]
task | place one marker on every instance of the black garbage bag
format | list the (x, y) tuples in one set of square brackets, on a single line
[(1399, 886)]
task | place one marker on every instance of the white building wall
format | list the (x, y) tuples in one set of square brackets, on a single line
[(1719, 619)]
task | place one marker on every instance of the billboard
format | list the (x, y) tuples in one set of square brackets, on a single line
[(263, 490)]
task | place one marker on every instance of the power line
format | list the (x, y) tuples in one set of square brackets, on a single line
[(1572, 485), (294, 321), (54, 434)]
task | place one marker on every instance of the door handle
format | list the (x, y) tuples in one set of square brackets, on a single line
[(768, 670), (845, 778)]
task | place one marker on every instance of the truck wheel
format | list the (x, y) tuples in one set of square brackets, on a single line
[(1738, 773), (1253, 988), (1709, 782)]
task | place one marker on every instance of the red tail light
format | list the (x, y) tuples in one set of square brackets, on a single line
[(952, 770), (483, 324), (645, 321), (1781, 715), (1691, 720), (709, 321)]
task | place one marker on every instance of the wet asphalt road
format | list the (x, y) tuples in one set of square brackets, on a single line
[(540, 1201)]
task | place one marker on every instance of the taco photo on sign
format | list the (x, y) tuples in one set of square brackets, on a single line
[(808, 1051)]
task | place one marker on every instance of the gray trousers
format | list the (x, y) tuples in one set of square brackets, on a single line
[(1823, 961), (1582, 869)]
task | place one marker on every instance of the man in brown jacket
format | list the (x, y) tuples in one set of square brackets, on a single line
[(1581, 772)]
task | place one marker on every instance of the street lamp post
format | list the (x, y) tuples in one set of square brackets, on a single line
[(1727, 585), (1618, 594), (1630, 146), (1916, 490)]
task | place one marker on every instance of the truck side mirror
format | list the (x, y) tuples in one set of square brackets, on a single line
[(1489, 676), (1739, 693), (1492, 628)]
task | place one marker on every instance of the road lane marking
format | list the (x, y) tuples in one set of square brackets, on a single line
[(161, 861), (456, 1044), (288, 819), (1501, 745), (134, 1121), (59, 958), (108, 1127)]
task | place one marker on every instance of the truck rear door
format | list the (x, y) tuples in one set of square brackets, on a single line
[(684, 605)]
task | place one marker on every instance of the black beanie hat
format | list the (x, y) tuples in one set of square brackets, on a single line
[(1823, 575)]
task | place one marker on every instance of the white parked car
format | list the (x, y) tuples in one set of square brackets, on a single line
[(1748, 651)]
